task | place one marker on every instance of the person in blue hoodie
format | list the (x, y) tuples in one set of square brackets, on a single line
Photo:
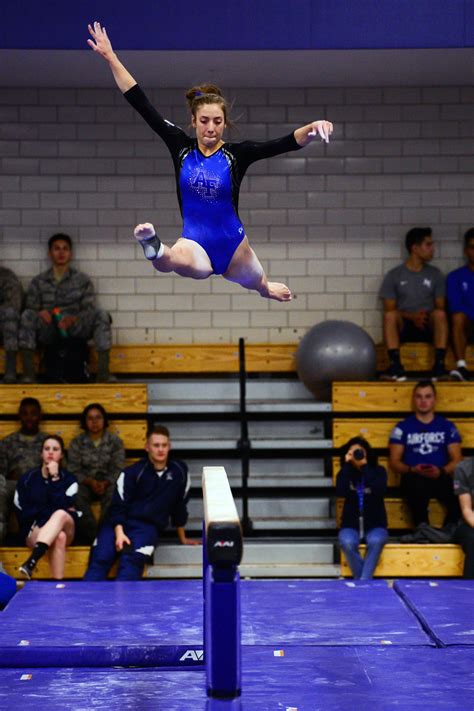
[(147, 494), (45, 507), (362, 485)]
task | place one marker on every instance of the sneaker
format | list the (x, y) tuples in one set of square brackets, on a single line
[(461, 374), (24, 570), (439, 372), (152, 246), (395, 372)]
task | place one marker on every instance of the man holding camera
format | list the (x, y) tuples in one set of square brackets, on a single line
[(425, 449)]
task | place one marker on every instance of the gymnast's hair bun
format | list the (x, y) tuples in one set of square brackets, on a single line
[(197, 91)]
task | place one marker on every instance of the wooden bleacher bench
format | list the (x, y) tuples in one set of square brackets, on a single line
[(377, 431), (212, 358), (413, 561), (398, 514), (373, 397), (71, 399), (77, 559), (222, 358), (132, 432), (417, 357)]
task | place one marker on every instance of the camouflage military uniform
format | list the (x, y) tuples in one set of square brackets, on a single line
[(18, 454), (102, 462), (11, 299), (74, 296)]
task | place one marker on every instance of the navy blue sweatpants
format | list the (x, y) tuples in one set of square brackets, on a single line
[(144, 537)]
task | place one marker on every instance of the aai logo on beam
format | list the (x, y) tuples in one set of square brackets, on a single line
[(195, 655)]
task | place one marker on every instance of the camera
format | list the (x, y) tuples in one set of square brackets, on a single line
[(358, 454)]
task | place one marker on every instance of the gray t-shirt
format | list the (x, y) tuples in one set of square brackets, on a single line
[(413, 290), (464, 477)]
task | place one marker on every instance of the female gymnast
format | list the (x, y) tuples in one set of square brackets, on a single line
[(209, 172)]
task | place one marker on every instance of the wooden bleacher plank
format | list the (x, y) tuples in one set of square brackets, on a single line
[(223, 358), (398, 514), (132, 432), (393, 479), (193, 358), (197, 358), (425, 560), (396, 397), (420, 356), (377, 431), (77, 558), (71, 399)]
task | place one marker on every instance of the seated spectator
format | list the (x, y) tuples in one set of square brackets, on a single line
[(70, 295), (464, 489), (425, 449), (146, 495), (460, 296), (46, 510), (11, 300), (414, 308), (19, 452), (362, 484), (96, 457)]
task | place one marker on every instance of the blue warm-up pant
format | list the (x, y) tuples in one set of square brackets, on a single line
[(144, 537)]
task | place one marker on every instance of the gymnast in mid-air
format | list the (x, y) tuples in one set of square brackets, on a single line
[(209, 172)]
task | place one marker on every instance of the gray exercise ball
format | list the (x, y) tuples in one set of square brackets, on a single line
[(331, 351)]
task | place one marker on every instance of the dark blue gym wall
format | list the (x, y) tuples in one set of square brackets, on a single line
[(243, 25)]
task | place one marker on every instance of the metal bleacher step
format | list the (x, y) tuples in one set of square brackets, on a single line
[(268, 472), (262, 558), (280, 514), (222, 395)]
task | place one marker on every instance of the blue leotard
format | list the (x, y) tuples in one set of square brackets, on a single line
[(208, 186)]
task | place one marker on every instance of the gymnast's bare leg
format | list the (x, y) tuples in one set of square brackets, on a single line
[(246, 270)]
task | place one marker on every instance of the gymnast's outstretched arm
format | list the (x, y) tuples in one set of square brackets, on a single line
[(101, 44)]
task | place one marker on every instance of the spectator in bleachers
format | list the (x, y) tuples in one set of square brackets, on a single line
[(60, 303), (19, 452), (460, 296), (11, 301), (96, 457), (146, 496), (414, 305), (45, 502), (464, 489), (362, 484), (425, 449)]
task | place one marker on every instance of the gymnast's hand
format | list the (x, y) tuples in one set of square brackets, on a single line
[(100, 42), (321, 128), (143, 231)]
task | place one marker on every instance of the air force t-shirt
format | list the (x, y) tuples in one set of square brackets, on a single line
[(425, 443)]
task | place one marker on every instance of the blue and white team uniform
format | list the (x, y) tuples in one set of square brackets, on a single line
[(208, 186), (37, 498), (460, 292), (144, 500), (427, 443)]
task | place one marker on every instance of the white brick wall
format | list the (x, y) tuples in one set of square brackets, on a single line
[(330, 219)]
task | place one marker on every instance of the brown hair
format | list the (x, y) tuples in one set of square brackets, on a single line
[(158, 430), (204, 94)]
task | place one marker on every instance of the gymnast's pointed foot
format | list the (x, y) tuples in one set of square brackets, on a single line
[(279, 292), (151, 244)]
